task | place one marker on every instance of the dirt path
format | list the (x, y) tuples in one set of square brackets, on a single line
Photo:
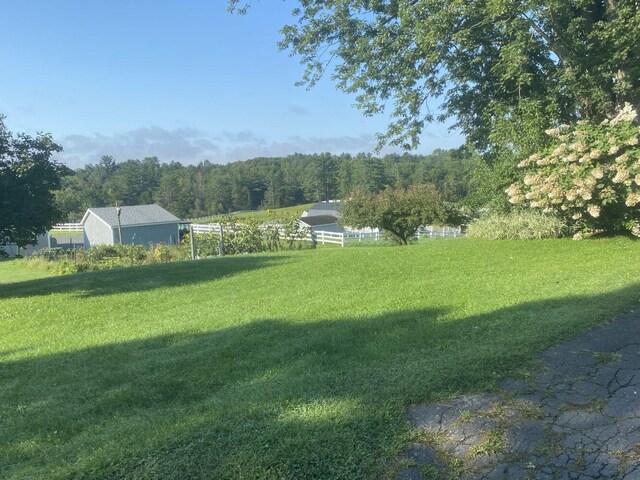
[(578, 418)]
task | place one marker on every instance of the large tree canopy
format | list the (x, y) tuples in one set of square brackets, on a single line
[(487, 61), (28, 177)]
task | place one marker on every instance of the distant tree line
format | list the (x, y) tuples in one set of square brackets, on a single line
[(207, 188)]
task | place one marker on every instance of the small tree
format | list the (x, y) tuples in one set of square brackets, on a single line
[(28, 177), (398, 211)]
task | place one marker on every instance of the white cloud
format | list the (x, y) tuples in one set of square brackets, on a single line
[(191, 145), (184, 145), (298, 144)]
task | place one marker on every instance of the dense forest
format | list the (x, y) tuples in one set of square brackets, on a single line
[(207, 188)]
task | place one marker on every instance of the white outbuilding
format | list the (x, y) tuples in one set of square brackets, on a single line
[(133, 224)]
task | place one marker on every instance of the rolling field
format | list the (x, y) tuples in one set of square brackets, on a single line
[(273, 214), (279, 366)]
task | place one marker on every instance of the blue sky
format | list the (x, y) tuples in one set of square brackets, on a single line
[(184, 81)]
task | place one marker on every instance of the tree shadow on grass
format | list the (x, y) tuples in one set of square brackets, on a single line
[(138, 278), (268, 399)]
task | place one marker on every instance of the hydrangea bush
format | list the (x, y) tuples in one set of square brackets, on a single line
[(590, 176)]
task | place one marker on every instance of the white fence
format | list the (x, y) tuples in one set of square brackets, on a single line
[(67, 227), (322, 237), (206, 227), (438, 231), (332, 238), (345, 238)]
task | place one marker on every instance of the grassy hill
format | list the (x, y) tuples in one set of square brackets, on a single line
[(273, 214), (293, 365)]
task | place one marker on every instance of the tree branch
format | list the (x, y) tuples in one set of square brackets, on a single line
[(549, 40)]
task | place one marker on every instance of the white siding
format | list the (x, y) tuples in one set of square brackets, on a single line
[(96, 232)]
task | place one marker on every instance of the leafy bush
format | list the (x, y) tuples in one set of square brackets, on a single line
[(133, 254), (164, 253), (242, 237), (57, 260), (52, 254), (246, 237), (249, 236), (518, 225), (103, 257), (207, 244), (590, 176), (293, 234)]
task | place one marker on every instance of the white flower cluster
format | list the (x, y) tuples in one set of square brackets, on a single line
[(588, 169), (627, 114)]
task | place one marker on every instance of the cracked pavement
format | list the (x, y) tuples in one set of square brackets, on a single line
[(578, 418)]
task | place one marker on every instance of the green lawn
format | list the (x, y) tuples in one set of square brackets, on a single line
[(279, 366), (67, 234), (14, 271), (265, 215)]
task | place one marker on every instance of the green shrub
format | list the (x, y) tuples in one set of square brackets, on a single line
[(164, 253), (131, 253), (590, 176), (207, 244), (518, 225), (52, 254), (250, 236), (104, 257), (294, 234), (247, 237)]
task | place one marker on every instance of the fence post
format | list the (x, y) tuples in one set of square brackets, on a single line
[(342, 240), (193, 242), (221, 245)]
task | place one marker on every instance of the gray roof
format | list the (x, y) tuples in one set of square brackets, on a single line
[(133, 215), (315, 220), (323, 208)]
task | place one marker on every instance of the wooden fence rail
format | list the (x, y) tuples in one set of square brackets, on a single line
[(67, 227)]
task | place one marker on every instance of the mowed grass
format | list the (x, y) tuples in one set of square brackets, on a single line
[(279, 366), (65, 234), (13, 271)]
